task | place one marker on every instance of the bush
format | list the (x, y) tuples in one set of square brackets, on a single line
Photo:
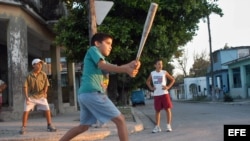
[(228, 98), (200, 98)]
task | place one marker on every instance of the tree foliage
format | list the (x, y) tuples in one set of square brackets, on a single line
[(175, 24), (72, 33), (182, 62), (200, 66)]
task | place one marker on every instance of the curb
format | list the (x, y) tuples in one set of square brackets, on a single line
[(139, 125)]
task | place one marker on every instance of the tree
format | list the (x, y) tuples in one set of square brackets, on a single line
[(182, 62), (72, 33), (175, 24), (200, 66), (179, 79)]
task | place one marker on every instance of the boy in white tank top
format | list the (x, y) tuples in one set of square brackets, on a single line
[(157, 82)]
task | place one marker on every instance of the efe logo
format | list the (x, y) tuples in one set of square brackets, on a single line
[(236, 132)]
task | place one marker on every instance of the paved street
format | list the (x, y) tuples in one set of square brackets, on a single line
[(191, 121)]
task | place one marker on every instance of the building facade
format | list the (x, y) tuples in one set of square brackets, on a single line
[(221, 70), (26, 33), (239, 77)]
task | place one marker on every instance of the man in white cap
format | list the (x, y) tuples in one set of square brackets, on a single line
[(35, 92)]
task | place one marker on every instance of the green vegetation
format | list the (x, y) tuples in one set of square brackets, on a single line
[(175, 24), (228, 98)]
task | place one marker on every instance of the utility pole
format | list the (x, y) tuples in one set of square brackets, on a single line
[(92, 19), (211, 58)]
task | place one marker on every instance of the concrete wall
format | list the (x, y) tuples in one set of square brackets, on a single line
[(19, 25)]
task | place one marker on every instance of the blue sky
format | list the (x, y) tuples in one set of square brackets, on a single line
[(232, 29)]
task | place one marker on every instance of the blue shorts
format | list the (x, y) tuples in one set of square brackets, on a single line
[(96, 106)]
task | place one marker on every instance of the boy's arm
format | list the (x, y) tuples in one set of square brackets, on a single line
[(25, 90), (109, 67), (148, 82), (45, 91), (46, 86), (129, 68), (171, 79)]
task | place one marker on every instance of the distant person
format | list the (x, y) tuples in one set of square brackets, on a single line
[(224, 89), (217, 92), (35, 92), (162, 99), (95, 105)]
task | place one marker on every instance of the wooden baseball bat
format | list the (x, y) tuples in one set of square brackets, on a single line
[(147, 26)]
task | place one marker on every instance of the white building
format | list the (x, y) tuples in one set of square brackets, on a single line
[(194, 87)]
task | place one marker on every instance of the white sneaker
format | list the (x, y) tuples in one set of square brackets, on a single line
[(169, 129), (156, 129)]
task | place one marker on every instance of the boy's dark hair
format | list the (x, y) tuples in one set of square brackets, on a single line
[(157, 60), (99, 37)]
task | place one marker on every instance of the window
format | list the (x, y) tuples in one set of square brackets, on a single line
[(243, 53), (248, 75), (236, 78)]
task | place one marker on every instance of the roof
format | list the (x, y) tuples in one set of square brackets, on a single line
[(237, 60), (232, 48)]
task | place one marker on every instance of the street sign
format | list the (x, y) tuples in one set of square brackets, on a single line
[(102, 8)]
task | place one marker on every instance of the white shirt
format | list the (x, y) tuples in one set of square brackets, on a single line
[(159, 80)]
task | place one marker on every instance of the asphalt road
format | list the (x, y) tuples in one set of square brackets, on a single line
[(191, 121)]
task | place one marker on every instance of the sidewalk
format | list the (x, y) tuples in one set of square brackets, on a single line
[(235, 101), (36, 129)]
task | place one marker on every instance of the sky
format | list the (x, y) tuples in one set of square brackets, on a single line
[(233, 29)]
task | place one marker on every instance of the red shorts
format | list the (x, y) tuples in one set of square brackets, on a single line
[(162, 102)]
